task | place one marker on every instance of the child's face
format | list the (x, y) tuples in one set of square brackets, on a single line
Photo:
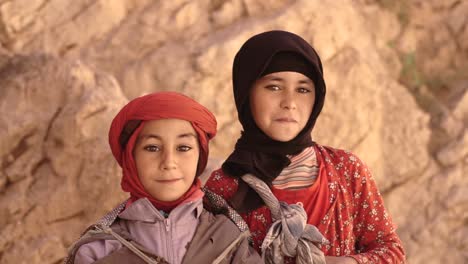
[(281, 104), (166, 156)]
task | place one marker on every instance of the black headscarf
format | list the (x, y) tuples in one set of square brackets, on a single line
[(255, 152)]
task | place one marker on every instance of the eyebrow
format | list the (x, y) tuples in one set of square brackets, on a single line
[(279, 79), (184, 135), (306, 81)]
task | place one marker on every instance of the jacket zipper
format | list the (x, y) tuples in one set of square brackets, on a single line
[(166, 223), (169, 242)]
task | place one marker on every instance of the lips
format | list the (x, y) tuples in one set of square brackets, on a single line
[(286, 120), (168, 180)]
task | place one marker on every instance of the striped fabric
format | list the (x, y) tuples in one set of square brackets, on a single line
[(301, 173)]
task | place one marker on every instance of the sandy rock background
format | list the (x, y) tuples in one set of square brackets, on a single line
[(397, 78)]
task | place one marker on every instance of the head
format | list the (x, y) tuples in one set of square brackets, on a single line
[(161, 142), (278, 86), (166, 155), (282, 99)]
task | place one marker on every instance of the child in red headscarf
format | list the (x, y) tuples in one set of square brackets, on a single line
[(161, 142)]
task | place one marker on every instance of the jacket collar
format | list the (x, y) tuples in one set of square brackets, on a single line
[(143, 210)]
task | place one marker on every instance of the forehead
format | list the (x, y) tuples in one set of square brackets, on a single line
[(167, 128), (286, 76)]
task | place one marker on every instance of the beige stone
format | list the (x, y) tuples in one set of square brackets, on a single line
[(461, 110), (254, 8), (227, 12), (62, 165), (457, 20), (454, 152), (57, 174), (451, 125)]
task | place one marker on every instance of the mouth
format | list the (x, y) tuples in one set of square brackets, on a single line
[(285, 120), (168, 181)]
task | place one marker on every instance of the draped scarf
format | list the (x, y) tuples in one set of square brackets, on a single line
[(255, 152), (128, 123)]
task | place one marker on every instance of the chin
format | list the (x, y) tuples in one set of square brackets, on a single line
[(283, 135), (282, 138), (167, 200)]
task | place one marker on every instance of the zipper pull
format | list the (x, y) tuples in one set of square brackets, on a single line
[(166, 223)]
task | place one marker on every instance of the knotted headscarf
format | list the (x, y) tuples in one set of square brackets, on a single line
[(255, 152), (128, 123)]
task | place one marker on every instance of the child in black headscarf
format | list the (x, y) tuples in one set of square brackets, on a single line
[(289, 189)]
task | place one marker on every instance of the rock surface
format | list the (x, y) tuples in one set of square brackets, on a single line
[(55, 158), (397, 97)]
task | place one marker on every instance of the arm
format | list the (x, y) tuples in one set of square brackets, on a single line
[(374, 230), (246, 254), (258, 220), (90, 252)]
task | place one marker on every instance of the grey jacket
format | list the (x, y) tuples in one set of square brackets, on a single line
[(190, 234)]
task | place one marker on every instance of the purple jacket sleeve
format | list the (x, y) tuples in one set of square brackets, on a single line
[(89, 253)]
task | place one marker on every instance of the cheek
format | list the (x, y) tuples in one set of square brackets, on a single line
[(138, 160), (307, 105), (144, 163), (190, 162), (260, 107)]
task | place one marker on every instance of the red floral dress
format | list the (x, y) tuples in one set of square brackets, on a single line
[(355, 220)]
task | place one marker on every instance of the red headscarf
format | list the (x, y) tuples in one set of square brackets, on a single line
[(128, 123)]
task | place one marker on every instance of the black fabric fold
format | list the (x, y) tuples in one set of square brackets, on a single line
[(255, 152)]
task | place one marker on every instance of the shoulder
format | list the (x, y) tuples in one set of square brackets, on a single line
[(93, 245), (332, 153), (97, 249), (220, 176), (216, 236), (93, 242), (217, 226), (223, 227), (222, 184), (217, 209), (218, 220), (339, 157), (344, 167)]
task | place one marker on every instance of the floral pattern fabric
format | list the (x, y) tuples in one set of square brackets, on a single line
[(356, 222)]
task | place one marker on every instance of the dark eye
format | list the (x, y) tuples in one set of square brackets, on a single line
[(273, 87), (183, 148), (152, 148), (303, 90)]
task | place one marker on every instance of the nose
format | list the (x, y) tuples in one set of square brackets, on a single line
[(288, 100), (168, 160)]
